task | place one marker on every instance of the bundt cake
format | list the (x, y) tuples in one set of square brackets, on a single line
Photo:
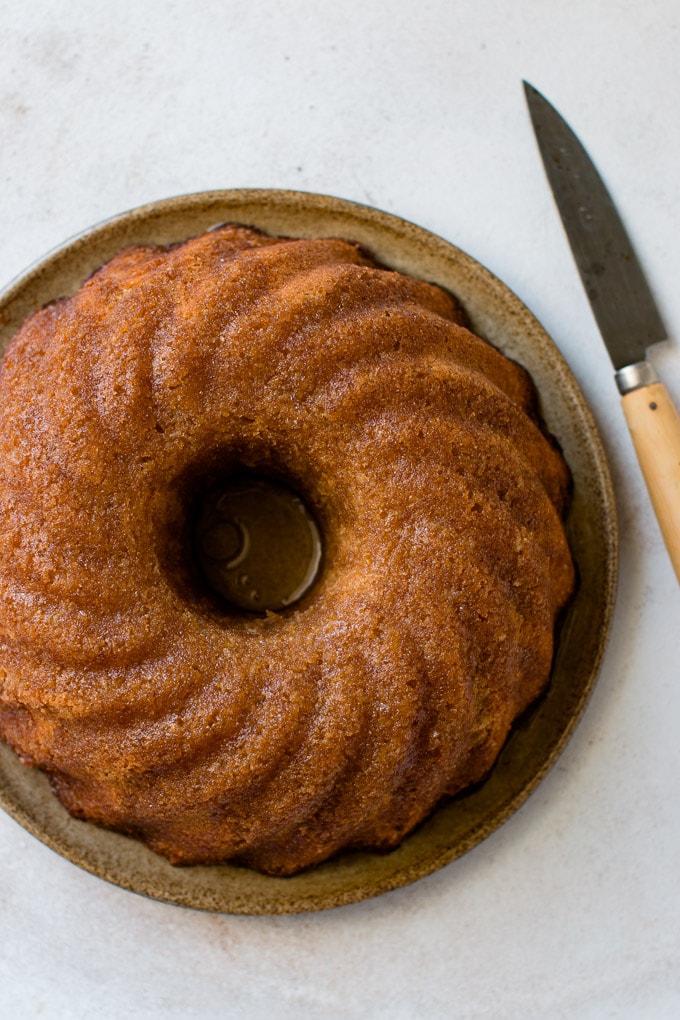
[(272, 738)]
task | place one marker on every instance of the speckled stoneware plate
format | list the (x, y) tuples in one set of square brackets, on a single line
[(496, 314)]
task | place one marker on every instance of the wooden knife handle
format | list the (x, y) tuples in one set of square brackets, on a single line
[(654, 424)]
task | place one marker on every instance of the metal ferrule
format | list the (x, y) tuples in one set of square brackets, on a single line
[(632, 377)]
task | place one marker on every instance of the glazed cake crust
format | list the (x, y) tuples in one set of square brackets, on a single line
[(271, 740)]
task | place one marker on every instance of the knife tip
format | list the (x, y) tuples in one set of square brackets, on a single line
[(536, 101), (529, 89)]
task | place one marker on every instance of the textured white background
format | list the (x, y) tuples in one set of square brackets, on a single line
[(572, 909)]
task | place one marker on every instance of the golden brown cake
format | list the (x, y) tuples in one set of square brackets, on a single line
[(272, 739)]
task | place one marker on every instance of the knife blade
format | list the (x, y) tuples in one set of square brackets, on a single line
[(623, 306)]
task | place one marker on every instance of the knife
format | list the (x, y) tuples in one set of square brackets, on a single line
[(622, 304)]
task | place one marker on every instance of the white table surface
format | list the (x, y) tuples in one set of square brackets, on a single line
[(572, 908)]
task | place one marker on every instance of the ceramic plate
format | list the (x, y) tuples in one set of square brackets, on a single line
[(499, 316)]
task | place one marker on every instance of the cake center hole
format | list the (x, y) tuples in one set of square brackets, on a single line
[(257, 544)]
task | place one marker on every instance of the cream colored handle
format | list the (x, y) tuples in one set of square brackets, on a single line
[(654, 424)]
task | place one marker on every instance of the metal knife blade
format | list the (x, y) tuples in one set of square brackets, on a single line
[(619, 295), (623, 305)]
